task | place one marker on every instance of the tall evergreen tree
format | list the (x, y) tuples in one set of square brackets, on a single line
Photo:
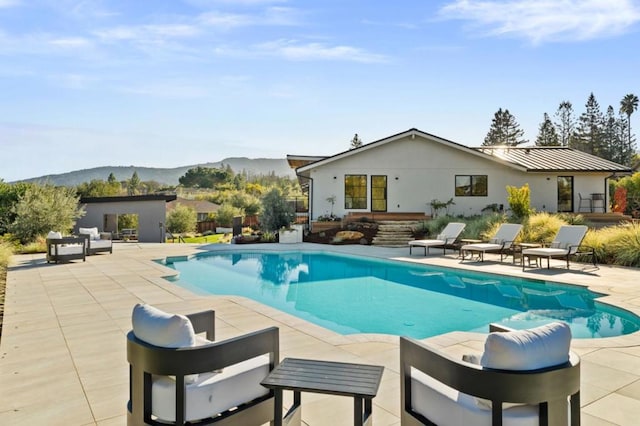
[(356, 142), (504, 130), (614, 145), (547, 135), (588, 135), (133, 184), (566, 123), (628, 105)]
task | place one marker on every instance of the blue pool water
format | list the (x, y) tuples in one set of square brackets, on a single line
[(351, 294)]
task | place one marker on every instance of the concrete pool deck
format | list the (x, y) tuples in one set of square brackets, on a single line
[(63, 356)]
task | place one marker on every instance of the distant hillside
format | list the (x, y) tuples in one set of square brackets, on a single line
[(253, 166)]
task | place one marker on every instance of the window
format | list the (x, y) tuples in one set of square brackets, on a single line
[(471, 185), (355, 192)]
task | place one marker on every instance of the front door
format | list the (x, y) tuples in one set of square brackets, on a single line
[(565, 194), (378, 193)]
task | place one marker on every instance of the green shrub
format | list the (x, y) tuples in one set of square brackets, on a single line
[(482, 227), (181, 219), (621, 244), (37, 246), (519, 200), (541, 227), (6, 251)]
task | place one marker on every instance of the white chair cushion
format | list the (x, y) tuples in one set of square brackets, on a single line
[(481, 247), (427, 242), (159, 328), (531, 349), (212, 393), (545, 251), (93, 232), (446, 406), (53, 235)]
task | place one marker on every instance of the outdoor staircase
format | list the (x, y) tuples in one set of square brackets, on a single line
[(394, 233)]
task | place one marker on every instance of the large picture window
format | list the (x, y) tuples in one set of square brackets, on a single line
[(471, 185), (355, 192)]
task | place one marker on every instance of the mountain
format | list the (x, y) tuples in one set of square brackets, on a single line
[(253, 166)]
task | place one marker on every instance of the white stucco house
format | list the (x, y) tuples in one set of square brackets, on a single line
[(403, 173)]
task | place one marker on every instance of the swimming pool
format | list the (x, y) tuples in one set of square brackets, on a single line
[(350, 294)]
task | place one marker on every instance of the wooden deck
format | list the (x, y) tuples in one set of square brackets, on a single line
[(377, 216)]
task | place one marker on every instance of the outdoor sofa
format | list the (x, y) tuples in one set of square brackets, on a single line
[(64, 249)]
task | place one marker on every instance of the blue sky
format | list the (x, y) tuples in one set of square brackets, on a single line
[(167, 83)]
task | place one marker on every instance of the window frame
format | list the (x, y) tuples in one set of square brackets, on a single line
[(363, 190), (472, 185)]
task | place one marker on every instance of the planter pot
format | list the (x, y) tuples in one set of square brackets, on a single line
[(289, 236)]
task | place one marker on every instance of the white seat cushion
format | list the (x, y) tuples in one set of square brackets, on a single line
[(426, 243), (545, 251), (446, 406), (64, 249), (212, 393), (481, 247), (100, 244)]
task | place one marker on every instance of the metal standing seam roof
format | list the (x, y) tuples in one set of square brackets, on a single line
[(553, 159)]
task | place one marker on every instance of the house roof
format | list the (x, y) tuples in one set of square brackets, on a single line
[(200, 206), (553, 159), (527, 159), (128, 198)]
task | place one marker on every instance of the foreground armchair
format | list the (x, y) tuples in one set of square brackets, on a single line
[(176, 376), (64, 249), (525, 377)]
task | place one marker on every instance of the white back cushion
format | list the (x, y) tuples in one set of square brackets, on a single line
[(52, 235), (93, 232), (159, 328), (531, 349)]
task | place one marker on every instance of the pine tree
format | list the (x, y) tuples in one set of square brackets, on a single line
[(504, 130), (588, 135), (356, 142), (547, 135), (615, 149), (133, 185), (566, 123)]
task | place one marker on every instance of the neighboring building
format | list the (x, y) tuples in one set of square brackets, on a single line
[(202, 208), (102, 212), (403, 173)]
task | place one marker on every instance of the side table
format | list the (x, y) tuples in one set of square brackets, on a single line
[(359, 381)]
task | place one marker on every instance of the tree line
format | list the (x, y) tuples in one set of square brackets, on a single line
[(607, 135)]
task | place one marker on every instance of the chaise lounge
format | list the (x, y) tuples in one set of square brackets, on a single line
[(500, 243), (524, 377), (445, 239), (565, 244)]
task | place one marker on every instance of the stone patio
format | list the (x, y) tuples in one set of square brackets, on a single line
[(63, 360)]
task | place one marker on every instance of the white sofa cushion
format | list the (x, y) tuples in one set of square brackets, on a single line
[(211, 393), (93, 232), (64, 249), (531, 349), (159, 328)]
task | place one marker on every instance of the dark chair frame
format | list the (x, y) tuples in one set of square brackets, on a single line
[(580, 250), (503, 251), (145, 360), (548, 387), (94, 250), (55, 243)]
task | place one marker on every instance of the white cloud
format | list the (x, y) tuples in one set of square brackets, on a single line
[(9, 3), (273, 16), (547, 20), (147, 33), (168, 89), (291, 49), (70, 42)]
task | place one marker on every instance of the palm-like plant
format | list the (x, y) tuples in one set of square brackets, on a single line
[(628, 105)]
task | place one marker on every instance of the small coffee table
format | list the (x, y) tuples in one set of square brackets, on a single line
[(360, 381)]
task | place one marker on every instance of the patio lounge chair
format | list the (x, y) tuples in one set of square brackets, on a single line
[(524, 377), (176, 376), (96, 241), (500, 243), (64, 249), (565, 244), (444, 239)]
